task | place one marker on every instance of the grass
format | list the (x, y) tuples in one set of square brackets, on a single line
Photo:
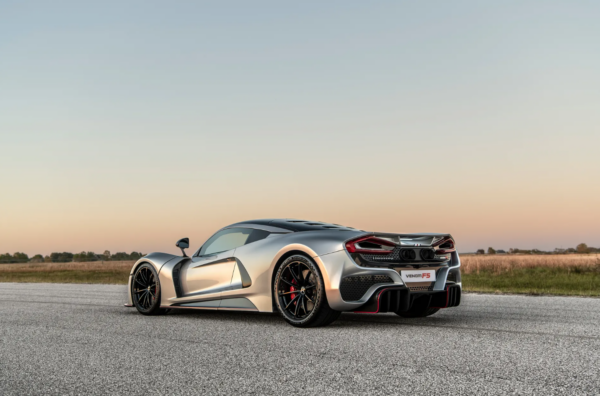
[(577, 275), (109, 272), (571, 275)]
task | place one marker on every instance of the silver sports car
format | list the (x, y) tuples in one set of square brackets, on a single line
[(307, 271)]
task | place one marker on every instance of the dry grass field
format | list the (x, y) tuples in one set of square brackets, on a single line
[(499, 264), (573, 274), (108, 272), (544, 274)]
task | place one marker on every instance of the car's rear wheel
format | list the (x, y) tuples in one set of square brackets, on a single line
[(145, 290), (419, 309), (299, 294)]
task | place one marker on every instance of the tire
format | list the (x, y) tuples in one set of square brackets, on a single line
[(299, 294), (419, 309), (145, 290)]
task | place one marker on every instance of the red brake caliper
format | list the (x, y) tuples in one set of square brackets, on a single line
[(292, 288)]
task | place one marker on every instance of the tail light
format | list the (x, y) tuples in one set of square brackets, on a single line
[(370, 245), (444, 245)]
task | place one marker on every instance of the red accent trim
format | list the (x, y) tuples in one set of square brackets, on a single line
[(378, 297), (447, 298), (351, 245)]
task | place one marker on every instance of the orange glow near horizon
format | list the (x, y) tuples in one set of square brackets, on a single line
[(398, 117)]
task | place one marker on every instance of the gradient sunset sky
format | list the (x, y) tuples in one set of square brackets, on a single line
[(126, 125)]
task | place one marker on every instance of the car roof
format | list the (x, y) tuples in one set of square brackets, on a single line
[(295, 224)]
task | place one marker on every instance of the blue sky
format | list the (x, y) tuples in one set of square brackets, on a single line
[(475, 118)]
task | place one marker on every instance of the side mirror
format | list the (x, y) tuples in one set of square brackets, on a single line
[(183, 243)]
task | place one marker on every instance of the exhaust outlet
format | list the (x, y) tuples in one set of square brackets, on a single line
[(427, 254), (408, 254)]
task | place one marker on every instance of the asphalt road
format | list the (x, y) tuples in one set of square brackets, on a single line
[(79, 339)]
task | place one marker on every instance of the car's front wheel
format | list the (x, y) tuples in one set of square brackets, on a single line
[(299, 294), (145, 290)]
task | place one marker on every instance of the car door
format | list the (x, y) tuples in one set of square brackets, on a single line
[(209, 273)]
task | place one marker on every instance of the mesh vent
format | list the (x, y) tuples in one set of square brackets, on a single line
[(353, 288), (419, 288)]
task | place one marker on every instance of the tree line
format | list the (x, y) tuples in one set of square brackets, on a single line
[(66, 257), (582, 248)]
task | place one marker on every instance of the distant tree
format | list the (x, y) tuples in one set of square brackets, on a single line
[(135, 255), (47, 259), (122, 256), (64, 257), (20, 257), (480, 251), (79, 257), (491, 250), (106, 255), (6, 258), (119, 256), (91, 256), (38, 258), (582, 248)]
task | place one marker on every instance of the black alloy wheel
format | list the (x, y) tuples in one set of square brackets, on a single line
[(145, 290), (300, 294)]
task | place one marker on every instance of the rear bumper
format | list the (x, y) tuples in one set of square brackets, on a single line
[(401, 299), (338, 266)]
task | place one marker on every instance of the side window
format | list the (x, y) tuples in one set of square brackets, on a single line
[(257, 235), (226, 240)]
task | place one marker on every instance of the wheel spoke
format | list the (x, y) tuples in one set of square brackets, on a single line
[(300, 275), (290, 292), (288, 282), (309, 287), (143, 277), (306, 278), (150, 278), (304, 305), (297, 306), (139, 283), (293, 299), (293, 275)]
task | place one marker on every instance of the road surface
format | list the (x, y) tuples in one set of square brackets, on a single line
[(79, 339)]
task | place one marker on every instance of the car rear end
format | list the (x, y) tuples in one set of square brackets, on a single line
[(395, 272)]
